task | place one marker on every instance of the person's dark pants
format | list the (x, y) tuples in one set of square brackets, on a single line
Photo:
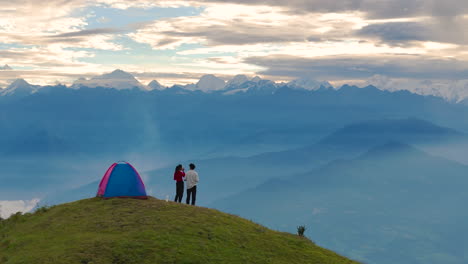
[(179, 191), (192, 192)]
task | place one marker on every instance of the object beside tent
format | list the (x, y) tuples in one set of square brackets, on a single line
[(122, 180)]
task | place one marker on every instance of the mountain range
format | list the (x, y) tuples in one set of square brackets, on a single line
[(208, 83), (121, 80)]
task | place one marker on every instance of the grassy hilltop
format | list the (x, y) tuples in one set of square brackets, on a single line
[(128, 231)]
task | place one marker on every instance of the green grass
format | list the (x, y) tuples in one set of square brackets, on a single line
[(129, 231)]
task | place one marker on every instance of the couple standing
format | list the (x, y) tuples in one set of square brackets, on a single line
[(191, 177)]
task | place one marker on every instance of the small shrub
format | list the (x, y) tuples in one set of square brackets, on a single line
[(85, 261), (300, 230), (6, 243), (15, 217), (43, 209)]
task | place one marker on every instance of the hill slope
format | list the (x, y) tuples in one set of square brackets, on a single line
[(148, 231)]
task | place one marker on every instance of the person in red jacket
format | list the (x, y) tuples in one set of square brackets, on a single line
[(179, 175)]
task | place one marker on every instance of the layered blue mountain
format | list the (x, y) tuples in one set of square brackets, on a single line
[(97, 125), (278, 119), (241, 173), (392, 204)]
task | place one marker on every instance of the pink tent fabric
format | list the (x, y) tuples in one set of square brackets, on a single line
[(105, 180)]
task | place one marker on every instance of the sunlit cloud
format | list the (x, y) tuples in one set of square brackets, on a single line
[(238, 25)]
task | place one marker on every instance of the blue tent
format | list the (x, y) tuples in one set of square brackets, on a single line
[(122, 180)]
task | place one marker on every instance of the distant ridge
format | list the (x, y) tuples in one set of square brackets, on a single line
[(378, 131), (392, 149)]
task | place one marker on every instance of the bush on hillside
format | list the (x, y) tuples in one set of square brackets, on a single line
[(300, 230), (43, 209)]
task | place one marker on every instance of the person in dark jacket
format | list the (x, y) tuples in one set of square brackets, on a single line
[(179, 176)]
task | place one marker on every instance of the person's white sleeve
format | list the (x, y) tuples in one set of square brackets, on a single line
[(198, 179)]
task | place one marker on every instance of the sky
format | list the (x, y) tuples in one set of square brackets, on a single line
[(385, 42)]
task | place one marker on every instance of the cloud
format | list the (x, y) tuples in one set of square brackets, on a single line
[(46, 65), (8, 208), (360, 67), (378, 18), (54, 22), (58, 22), (88, 32), (238, 25), (245, 32), (51, 56), (372, 8), (397, 31), (33, 17), (429, 29), (126, 4)]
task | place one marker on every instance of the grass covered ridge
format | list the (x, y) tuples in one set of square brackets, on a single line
[(129, 231)]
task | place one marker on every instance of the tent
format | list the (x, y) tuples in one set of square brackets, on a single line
[(122, 180)]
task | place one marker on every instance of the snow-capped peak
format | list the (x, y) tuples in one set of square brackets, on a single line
[(6, 67), (238, 80), (117, 79), (155, 85), (19, 83), (450, 90), (210, 82), (308, 84), (19, 87), (256, 79)]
